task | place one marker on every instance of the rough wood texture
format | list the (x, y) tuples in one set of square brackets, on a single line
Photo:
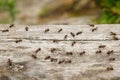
[(43, 53)]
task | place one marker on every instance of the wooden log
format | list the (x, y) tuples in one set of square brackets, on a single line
[(26, 64), (37, 32)]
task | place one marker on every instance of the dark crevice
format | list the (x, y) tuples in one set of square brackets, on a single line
[(37, 40)]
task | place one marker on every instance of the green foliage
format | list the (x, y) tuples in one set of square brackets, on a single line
[(9, 6), (45, 11), (110, 11)]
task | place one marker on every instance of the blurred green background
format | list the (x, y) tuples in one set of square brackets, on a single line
[(60, 11)]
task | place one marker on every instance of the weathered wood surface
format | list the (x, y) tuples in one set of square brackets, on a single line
[(87, 66)]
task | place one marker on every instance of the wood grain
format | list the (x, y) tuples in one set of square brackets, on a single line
[(88, 66)]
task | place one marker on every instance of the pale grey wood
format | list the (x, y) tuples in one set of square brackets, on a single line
[(37, 32), (89, 66)]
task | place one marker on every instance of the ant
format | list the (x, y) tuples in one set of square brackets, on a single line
[(73, 35), (55, 41), (26, 28), (111, 59), (115, 38), (110, 52), (53, 49), (9, 62), (65, 36), (68, 61), (53, 60), (92, 25), (112, 33), (79, 33), (109, 68), (17, 41), (46, 30), (99, 51), (34, 56), (60, 30), (60, 62), (102, 46), (73, 43), (94, 29), (12, 25), (37, 50), (81, 53), (6, 30), (47, 57), (69, 53)]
